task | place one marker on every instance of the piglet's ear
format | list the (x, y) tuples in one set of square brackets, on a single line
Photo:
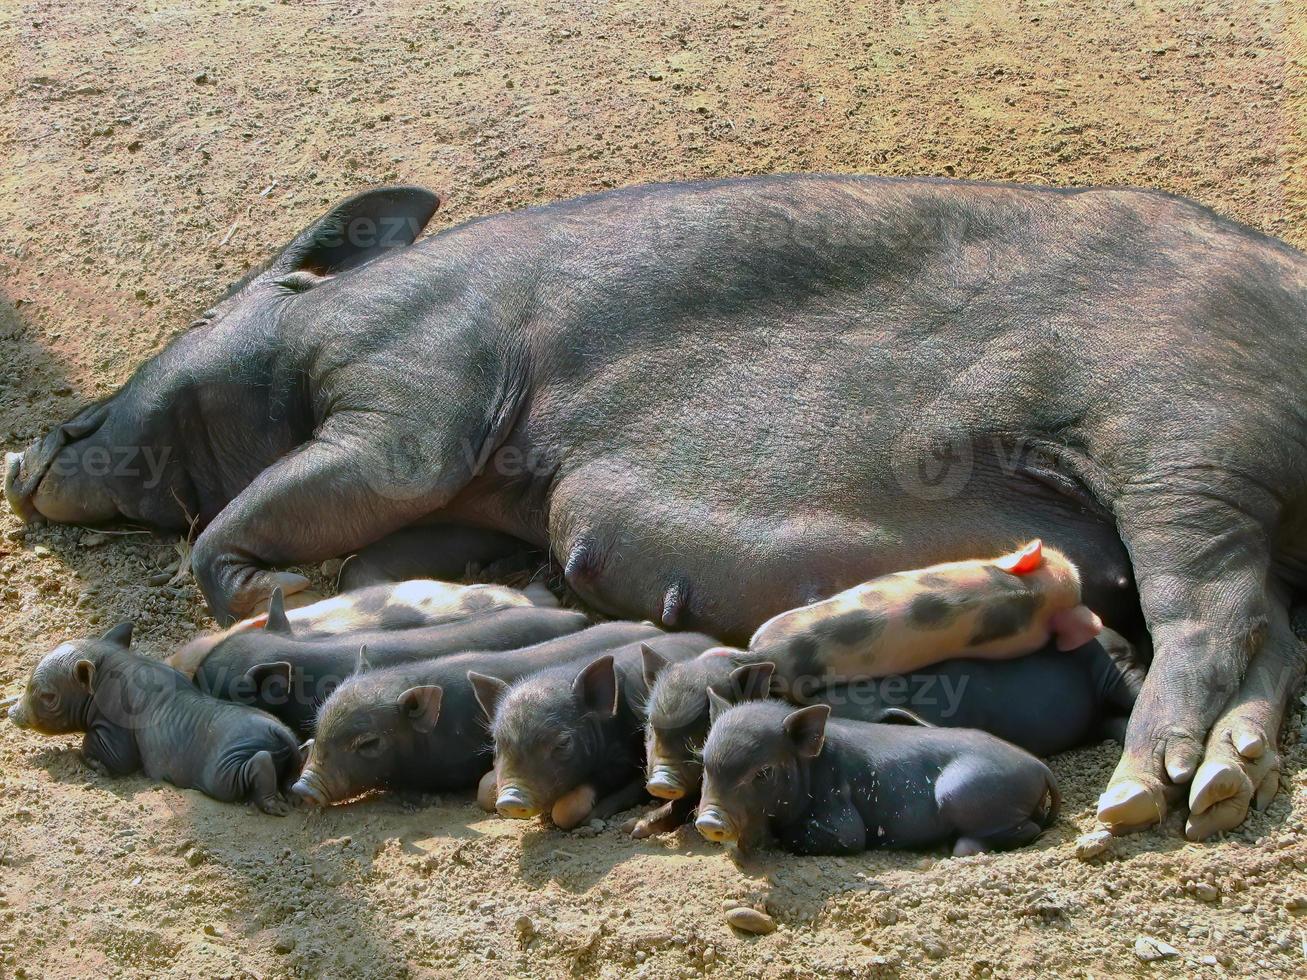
[(596, 687), (807, 729), (120, 635), (653, 663), (272, 681), (489, 691), (902, 716), (84, 673), (421, 706), (361, 662), (305, 751), (752, 682), (277, 621), (716, 705)]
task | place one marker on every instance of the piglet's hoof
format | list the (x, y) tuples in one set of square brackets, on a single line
[(661, 820), (572, 808), (1131, 805), (294, 587)]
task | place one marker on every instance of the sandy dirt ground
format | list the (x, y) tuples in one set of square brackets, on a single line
[(152, 153)]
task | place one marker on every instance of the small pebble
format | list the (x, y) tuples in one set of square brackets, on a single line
[(1092, 845), (1149, 949), (41, 551), (94, 539), (1205, 892), (284, 945), (751, 920), (159, 578)]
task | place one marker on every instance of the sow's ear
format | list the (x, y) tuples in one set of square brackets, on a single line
[(807, 729), (120, 635), (489, 691), (358, 230), (652, 664), (596, 687), (421, 705)]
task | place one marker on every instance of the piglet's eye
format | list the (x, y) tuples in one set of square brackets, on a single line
[(763, 774), (368, 745), (49, 698)]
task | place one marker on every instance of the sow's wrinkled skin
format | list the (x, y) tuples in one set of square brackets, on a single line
[(418, 727), (516, 373), (818, 785), (289, 677), (142, 715), (900, 622), (1045, 702), (382, 606), (568, 740)]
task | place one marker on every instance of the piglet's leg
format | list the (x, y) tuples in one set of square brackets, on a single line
[(623, 799), (488, 791), (569, 810), (364, 476), (1018, 836), (1073, 628), (259, 776), (110, 751), (662, 820)]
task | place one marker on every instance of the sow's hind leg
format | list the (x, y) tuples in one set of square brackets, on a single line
[(1202, 565)]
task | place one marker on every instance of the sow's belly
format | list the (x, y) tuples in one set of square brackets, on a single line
[(722, 562)]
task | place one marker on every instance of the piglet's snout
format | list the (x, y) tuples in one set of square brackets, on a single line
[(309, 789), (16, 713), (665, 784), (715, 825), (515, 804)]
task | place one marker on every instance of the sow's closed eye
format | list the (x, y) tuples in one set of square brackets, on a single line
[(368, 745)]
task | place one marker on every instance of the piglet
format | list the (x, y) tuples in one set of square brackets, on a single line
[(898, 623), (568, 739), (140, 714), (391, 606), (817, 785), (289, 676)]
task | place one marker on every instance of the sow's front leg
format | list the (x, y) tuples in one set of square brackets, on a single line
[(363, 476), (1242, 765), (1203, 567)]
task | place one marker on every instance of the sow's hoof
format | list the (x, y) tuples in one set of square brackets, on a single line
[(1132, 805)]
